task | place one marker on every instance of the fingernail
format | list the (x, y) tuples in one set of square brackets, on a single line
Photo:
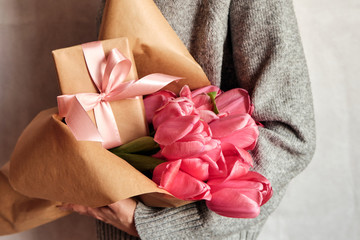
[(62, 208)]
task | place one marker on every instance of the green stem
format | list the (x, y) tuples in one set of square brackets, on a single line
[(212, 96), (140, 162), (139, 145)]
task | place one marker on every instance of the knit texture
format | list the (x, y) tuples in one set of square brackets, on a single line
[(253, 44)]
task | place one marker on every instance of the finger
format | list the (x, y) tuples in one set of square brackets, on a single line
[(109, 213), (64, 207), (80, 209), (124, 202), (87, 211), (123, 208), (122, 205), (98, 214)]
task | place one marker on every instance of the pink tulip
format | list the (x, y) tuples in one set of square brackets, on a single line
[(199, 167), (201, 146), (240, 197), (155, 101), (202, 101), (238, 129), (184, 137), (185, 92), (173, 109), (170, 177), (216, 162), (235, 162), (200, 98), (235, 101), (208, 115), (174, 129), (205, 90), (195, 167)]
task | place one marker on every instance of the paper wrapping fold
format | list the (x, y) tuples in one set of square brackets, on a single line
[(19, 213), (155, 45), (58, 167), (47, 157)]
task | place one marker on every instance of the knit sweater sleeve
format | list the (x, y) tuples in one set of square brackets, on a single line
[(269, 62)]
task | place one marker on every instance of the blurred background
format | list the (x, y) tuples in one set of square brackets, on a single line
[(323, 202)]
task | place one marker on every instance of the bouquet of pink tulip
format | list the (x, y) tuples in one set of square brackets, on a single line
[(203, 137)]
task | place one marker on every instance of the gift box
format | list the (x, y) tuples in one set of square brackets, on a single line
[(80, 77)]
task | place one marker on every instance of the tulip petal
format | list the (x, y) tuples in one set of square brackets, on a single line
[(240, 183), (208, 116), (195, 167), (205, 90), (170, 173), (245, 138), (178, 150), (230, 149), (249, 184), (174, 108), (227, 125), (235, 168), (237, 160), (178, 127), (185, 92), (234, 101), (155, 101), (218, 172), (211, 145), (203, 102), (233, 203), (198, 128), (180, 184), (158, 171), (267, 189), (212, 158), (239, 129)]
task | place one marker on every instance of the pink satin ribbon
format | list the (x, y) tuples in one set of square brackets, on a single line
[(108, 76)]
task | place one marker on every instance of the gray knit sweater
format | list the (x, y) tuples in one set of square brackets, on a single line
[(253, 44)]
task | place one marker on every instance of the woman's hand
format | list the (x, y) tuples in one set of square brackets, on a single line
[(119, 214)]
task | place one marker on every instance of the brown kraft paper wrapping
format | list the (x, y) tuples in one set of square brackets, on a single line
[(48, 163), (63, 169), (155, 45), (19, 213)]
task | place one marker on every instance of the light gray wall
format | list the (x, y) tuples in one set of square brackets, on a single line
[(324, 201), (321, 203)]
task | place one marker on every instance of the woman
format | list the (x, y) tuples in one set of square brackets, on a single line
[(253, 44)]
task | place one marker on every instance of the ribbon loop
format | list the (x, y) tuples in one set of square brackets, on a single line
[(108, 76)]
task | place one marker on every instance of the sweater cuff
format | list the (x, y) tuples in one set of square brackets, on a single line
[(185, 222), (159, 223), (108, 232)]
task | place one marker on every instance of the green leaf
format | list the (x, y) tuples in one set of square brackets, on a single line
[(212, 96), (143, 145), (140, 162)]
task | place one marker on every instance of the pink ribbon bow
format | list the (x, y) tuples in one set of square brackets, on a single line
[(108, 76)]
